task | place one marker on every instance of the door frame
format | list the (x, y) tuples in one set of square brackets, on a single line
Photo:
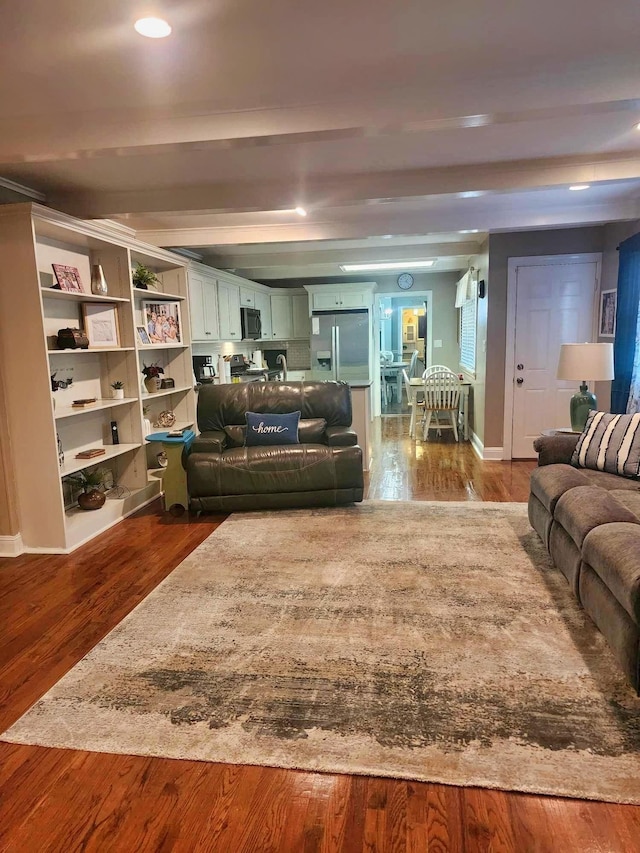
[(510, 355), (423, 296)]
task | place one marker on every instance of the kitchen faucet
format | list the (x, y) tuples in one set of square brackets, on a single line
[(281, 359)]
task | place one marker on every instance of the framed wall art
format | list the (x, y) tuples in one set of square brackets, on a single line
[(101, 325), (608, 304), (162, 322), (143, 335)]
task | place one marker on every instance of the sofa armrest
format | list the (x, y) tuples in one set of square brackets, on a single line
[(339, 436), (554, 449), (213, 441)]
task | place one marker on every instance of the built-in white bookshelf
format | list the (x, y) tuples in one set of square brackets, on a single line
[(42, 381)]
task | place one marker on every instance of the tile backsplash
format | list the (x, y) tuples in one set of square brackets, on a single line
[(298, 352)]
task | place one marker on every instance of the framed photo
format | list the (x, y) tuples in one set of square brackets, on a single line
[(68, 278), (101, 325), (608, 303), (162, 322), (143, 335)]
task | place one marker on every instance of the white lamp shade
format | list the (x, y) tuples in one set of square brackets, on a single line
[(586, 362)]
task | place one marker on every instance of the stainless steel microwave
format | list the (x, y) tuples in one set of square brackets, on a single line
[(251, 323)]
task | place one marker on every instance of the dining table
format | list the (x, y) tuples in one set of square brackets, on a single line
[(416, 385)]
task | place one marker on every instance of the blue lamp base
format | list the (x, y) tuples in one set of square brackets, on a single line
[(581, 403)]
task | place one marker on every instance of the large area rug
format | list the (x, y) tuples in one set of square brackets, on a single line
[(429, 641)]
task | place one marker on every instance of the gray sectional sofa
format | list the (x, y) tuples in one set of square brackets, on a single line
[(590, 523)]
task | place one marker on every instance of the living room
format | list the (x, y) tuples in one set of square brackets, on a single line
[(405, 663)]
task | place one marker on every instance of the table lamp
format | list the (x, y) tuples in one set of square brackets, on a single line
[(584, 361)]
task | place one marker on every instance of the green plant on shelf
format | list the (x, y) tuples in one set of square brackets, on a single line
[(88, 479), (143, 277), (117, 385)]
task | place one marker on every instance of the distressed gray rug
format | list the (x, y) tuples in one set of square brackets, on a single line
[(429, 641)]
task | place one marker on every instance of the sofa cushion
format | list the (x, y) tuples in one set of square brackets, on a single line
[(610, 481), (629, 499), (581, 509), (612, 551), (265, 429), (610, 443), (552, 481)]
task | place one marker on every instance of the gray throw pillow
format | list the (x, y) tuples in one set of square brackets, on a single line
[(610, 443)]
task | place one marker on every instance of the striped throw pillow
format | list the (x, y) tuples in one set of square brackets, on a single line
[(610, 443)]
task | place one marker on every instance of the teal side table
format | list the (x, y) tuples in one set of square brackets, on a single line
[(174, 478)]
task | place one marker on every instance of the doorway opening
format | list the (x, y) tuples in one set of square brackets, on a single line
[(405, 344)]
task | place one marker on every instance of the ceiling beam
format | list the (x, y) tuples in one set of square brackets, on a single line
[(428, 221), (355, 188)]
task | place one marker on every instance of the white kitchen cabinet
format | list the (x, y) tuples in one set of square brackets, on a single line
[(248, 298), (229, 311), (301, 318), (281, 317), (263, 305), (341, 299), (203, 301)]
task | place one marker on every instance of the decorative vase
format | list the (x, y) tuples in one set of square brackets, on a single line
[(93, 499), (98, 281), (152, 384), (117, 393)]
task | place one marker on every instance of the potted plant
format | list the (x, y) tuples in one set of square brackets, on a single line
[(143, 277), (117, 390), (91, 497), (152, 373)]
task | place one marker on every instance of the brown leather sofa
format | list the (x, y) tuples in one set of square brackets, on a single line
[(590, 524), (325, 469)]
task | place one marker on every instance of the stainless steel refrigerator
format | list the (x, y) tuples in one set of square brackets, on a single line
[(340, 345)]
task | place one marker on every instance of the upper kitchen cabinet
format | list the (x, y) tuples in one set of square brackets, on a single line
[(203, 299), (326, 297), (301, 318), (247, 298), (229, 311), (262, 302), (281, 316)]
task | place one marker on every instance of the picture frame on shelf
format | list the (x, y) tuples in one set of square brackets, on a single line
[(143, 335), (101, 325), (608, 305), (163, 322), (68, 278)]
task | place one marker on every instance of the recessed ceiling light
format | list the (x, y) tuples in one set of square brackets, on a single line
[(638, 127), (469, 231), (577, 187), (152, 28), (301, 211), (388, 265)]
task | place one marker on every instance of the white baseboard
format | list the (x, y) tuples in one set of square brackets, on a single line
[(487, 454), (11, 546)]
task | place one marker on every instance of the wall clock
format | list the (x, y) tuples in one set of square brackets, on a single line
[(405, 281)]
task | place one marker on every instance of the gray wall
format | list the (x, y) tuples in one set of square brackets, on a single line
[(501, 248), (476, 409)]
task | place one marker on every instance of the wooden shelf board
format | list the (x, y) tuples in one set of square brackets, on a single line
[(72, 296), (156, 295), (89, 351), (73, 465), (71, 411), (165, 391), (162, 346)]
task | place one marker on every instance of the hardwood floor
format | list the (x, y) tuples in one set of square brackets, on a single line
[(53, 610)]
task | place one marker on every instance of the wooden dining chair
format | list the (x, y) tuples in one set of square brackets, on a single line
[(442, 399)]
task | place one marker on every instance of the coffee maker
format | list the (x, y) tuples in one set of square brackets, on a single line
[(203, 368)]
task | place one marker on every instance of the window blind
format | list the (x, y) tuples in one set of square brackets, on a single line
[(468, 334)]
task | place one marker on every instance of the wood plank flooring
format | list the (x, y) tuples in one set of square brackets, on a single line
[(53, 610)]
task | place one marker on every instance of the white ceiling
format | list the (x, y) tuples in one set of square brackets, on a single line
[(378, 118)]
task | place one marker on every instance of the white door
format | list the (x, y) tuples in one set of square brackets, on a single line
[(301, 318), (263, 304), (196, 306), (554, 305), (326, 301), (210, 302), (229, 310)]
